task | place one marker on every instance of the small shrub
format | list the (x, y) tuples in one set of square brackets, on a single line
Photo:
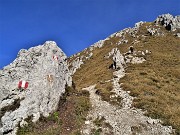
[(143, 73), (27, 128), (116, 101), (136, 130), (96, 131), (54, 117), (99, 121), (104, 90)]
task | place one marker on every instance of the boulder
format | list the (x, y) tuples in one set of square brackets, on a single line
[(169, 22), (46, 77)]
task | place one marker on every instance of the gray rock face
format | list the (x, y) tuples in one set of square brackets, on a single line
[(98, 44), (130, 31), (76, 64), (138, 24), (169, 22), (117, 57), (44, 67), (178, 34)]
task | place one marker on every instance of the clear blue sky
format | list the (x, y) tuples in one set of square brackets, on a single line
[(73, 24)]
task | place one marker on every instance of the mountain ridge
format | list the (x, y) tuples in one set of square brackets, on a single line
[(95, 70), (99, 69)]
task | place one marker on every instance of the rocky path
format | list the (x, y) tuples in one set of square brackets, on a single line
[(119, 120)]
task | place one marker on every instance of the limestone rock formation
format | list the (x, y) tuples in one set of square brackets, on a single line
[(45, 69), (117, 57), (169, 22), (75, 65)]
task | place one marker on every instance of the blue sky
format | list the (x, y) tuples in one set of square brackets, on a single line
[(73, 24)]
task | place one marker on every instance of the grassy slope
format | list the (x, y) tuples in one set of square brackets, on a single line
[(155, 83), (96, 71)]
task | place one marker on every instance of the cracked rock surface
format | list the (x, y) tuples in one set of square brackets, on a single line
[(169, 22), (47, 77)]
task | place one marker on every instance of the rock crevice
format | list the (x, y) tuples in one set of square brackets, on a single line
[(46, 71)]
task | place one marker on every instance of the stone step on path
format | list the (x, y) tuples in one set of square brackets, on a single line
[(124, 120), (126, 98)]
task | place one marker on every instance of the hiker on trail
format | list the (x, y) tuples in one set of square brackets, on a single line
[(114, 63), (131, 49)]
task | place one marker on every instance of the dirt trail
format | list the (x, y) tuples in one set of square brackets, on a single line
[(120, 120)]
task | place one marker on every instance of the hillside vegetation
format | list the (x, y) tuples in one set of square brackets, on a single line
[(96, 71), (154, 83), (67, 119)]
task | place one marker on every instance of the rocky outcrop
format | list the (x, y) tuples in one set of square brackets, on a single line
[(178, 35), (117, 57), (132, 32), (86, 54), (78, 60), (129, 57), (45, 69), (169, 22), (75, 64), (98, 44)]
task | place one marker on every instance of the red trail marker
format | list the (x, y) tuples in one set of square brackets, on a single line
[(23, 84)]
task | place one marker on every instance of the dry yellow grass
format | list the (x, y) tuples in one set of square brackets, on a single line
[(104, 90), (155, 82), (94, 70)]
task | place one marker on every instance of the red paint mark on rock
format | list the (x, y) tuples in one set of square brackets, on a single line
[(55, 57), (23, 84)]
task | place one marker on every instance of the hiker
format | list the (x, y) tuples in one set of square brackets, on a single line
[(114, 63), (111, 66), (131, 49), (97, 92)]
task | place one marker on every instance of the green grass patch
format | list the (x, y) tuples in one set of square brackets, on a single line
[(67, 119)]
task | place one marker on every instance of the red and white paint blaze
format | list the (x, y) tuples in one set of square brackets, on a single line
[(55, 57), (22, 84)]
